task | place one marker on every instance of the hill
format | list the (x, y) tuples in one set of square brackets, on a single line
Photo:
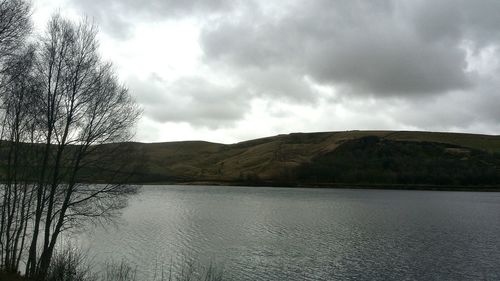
[(354, 158)]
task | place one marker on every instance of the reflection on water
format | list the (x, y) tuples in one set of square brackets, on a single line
[(308, 234)]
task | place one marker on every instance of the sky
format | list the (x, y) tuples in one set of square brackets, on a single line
[(233, 70)]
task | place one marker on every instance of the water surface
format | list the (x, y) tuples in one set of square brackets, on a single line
[(260, 233)]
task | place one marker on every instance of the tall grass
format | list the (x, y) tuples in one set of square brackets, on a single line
[(73, 265), (70, 264), (118, 272)]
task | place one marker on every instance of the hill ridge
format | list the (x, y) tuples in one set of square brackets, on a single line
[(290, 159)]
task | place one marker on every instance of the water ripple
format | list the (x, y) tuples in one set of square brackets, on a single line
[(309, 234)]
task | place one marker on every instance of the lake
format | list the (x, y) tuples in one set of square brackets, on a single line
[(259, 233)]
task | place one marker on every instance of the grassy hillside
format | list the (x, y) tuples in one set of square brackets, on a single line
[(366, 158), (352, 157)]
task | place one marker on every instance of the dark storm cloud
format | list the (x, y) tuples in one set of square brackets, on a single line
[(387, 48), (472, 20), (382, 47), (192, 100)]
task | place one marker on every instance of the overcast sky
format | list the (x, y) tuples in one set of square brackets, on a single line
[(231, 70)]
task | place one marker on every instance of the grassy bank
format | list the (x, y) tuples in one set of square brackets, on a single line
[(74, 265)]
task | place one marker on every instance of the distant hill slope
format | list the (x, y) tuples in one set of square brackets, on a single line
[(329, 158)]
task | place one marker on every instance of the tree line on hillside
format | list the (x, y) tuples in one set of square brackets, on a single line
[(373, 160), (59, 103)]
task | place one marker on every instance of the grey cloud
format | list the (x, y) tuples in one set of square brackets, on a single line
[(387, 65), (280, 84), (386, 48), (460, 110), (484, 102), (440, 21), (409, 53), (118, 16), (436, 114), (191, 100), (472, 20)]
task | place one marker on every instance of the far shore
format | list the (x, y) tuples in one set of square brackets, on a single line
[(338, 186)]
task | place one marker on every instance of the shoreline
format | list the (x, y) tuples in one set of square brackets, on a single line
[(423, 187)]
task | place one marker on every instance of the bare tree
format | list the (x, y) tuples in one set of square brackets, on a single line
[(15, 25), (18, 128), (83, 106), (16, 84), (63, 111)]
